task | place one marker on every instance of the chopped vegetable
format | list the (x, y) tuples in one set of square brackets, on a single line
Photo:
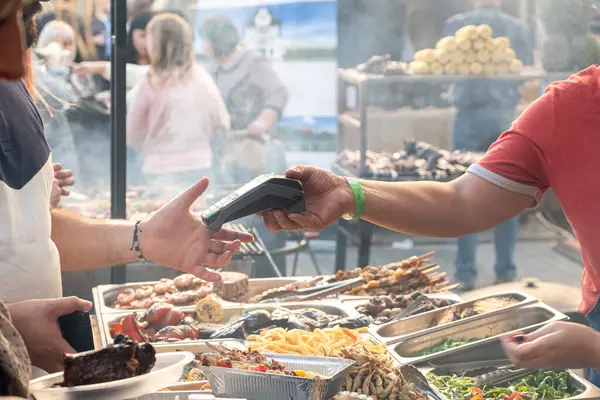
[(259, 368), (447, 345), (542, 385)]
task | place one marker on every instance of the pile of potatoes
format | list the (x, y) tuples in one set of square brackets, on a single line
[(471, 51)]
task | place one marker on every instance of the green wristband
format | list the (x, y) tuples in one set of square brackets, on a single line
[(359, 197)]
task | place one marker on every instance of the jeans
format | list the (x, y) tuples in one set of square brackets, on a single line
[(476, 129), (593, 318)]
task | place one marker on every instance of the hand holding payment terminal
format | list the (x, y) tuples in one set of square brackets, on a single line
[(267, 192)]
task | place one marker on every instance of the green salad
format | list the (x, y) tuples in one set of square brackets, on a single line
[(446, 345), (542, 385)]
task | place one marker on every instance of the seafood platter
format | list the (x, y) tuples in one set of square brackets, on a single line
[(394, 331)]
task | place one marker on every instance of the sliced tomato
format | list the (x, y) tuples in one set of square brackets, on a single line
[(477, 397), (475, 390), (516, 396), (259, 368)]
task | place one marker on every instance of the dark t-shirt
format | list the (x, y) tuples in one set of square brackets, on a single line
[(29, 261), (23, 147)]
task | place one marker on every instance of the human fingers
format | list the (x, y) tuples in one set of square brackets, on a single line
[(64, 192), (67, 305), (57, 167), (301, 172), (187, 198), (66, 182), (307, 221), (284, 222), (218, 260), (543, 331), (205, 274), (219, 247), (63, 173), (270, 221), (230, 235), (532, 354)]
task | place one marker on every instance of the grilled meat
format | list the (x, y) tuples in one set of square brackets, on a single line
[(125, 358)]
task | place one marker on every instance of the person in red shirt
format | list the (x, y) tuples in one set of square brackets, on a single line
[(554, 143)]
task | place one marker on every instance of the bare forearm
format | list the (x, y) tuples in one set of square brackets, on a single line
[(85, 244), (453, 209), (269, 117)]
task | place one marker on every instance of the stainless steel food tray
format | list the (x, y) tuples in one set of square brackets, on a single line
[(589, 391), (354, 303), (421, 324), (229, 313), (358, 300), (106, 295), (263, 386), (487, 329)]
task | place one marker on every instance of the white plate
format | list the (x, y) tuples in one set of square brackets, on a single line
[(166, 371)]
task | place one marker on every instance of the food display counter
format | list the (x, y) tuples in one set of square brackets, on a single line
[(356, 342)]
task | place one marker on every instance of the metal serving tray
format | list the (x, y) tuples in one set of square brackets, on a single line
[(589, 391), (106, 295), (421, 324), (229, 314), (358, 300), (487, 330), (263, 386), (354, 303)]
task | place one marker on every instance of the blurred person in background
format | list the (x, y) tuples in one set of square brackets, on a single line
[(137, 49), (485, 109), (52, 60), (137, 7), (101, 28), (137, 54), (177, 109), (179, 7), (255, 98), (66, 10), (254, 95), (60, 240)]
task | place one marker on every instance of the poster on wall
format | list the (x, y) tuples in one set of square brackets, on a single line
[(299, 37)]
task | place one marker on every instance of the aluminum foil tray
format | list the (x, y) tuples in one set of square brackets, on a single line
[(228, 382), (484, 332), (589, 391), (393, 332)]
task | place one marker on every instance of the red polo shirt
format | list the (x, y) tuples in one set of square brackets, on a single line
[(556, 143)]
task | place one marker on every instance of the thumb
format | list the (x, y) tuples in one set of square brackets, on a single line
[(192, 193), (299, 172), (68, 305), (57, 166)]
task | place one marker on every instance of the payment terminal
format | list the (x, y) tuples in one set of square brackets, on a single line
[(266, 192)]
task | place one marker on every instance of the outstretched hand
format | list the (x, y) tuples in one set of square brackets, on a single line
[(556, 345), (327, 197), (174, 237)]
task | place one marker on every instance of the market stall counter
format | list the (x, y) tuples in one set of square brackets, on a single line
[(353, 344)]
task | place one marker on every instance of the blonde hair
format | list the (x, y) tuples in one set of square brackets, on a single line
[(56, 31), (84, 40), (170, 47)]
